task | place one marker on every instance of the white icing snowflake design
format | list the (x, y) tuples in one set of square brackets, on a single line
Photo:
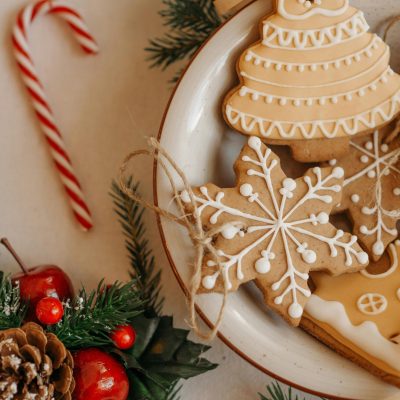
[(379, 226), (275, 229)]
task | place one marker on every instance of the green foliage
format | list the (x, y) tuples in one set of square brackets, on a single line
[(90, 317), (275, 392), (162, 355), (12, 309), (191, 22), (130, 215)]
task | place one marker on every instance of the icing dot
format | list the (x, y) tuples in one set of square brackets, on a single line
[(333, 162), (371, 174), (325, 66), (301, 68), (263, 265), (361, 92), (364, 159), (255, 96), (385, 148), (295, 310), (368, 53), (338, 172), (322, 101), (230, 231), (267, 64), (297, 102), (248, 57), (289, 67), (283, 101), (309, 256), (185, 196), (307, 4), (378, 248), (355, 198), (369, 145), (209, 281), (337, 64), (246, 190), (269, 99), (334, 100), (396, 191), (242, 92), (349, 61), (384, 79), (374, 87), (313, 67), (278, 67), (386, 172), (289, 184), (391, 72), (362, 258), (254, 142), (309, 102), (257, 61), (349, 97), (323, 218), (357, 58)]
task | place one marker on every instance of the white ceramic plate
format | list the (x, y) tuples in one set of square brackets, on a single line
[(196, 136)]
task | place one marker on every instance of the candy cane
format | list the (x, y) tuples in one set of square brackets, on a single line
[(35, 89)]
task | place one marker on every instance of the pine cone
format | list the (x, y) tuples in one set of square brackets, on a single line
[(34, 365)]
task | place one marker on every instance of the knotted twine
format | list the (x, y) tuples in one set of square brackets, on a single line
[(202, 240)]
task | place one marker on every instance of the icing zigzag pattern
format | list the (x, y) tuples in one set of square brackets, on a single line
[(301, 39), (314, 129)]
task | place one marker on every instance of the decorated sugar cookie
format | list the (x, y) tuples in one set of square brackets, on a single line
[(317, 73), (358, 315), (374, 221), (274, 230)]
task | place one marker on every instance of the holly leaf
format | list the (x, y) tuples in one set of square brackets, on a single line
[(162, 355)]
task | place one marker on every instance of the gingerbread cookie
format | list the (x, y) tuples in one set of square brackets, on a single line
[(374, 220), (274, 230), (317, 73), (358, 315)]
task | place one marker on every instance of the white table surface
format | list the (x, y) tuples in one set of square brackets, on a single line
[(106, 106)]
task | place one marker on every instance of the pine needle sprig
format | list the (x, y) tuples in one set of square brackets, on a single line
[(191, 22), (275, 392), (12, 308), (90, 317), (130, 215)]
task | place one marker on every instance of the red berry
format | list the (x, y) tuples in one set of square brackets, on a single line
[(49, 310), (99, 376), (124, 337)]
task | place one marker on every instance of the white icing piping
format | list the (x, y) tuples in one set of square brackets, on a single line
[(310, 129), (365, 336), (290, 39), (373, 171), (338, 82), (251, 56), (255, 95), (372, 303), (313, 11), (394, 266), (276, 223)]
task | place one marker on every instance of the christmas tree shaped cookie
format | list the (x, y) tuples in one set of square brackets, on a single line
[(371, 190), (317, 73), (358, 315), (274, 230)]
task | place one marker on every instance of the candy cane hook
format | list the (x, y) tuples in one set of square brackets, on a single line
[(35, 89)]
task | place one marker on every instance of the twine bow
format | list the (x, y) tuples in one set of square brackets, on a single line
[(202, 240)]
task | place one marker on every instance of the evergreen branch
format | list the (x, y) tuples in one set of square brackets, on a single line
[(142, 261), (90, 317), (275, 392), (12, 309), (191, 22)]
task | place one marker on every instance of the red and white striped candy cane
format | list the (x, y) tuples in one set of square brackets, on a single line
[(35, 89)]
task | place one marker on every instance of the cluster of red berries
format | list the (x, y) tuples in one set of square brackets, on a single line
[(45, 287)]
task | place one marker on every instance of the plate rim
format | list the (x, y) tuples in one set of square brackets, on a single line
[(168, 253)]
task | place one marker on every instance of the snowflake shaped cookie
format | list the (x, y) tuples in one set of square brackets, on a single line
[(274, 230), (373, 223)]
